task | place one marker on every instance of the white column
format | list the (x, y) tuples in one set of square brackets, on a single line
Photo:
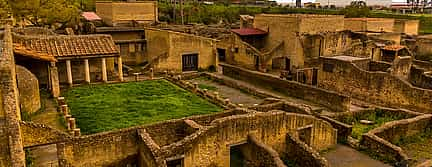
[(104, 70), (87, 70), (69, 72), (120, 68)]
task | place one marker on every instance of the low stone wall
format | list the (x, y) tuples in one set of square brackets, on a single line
[(420, 77), (114, 148), (379, 66), (262, 155), (331, 100), (380, 141), (38, 134), (378, 88), (302, 154), (214, 97), (343, 130), (147, 150)]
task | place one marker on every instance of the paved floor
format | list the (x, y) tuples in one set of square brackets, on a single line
[(344, 156)]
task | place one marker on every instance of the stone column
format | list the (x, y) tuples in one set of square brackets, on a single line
[(55, 84), (87, 70), (120, 68), (104, 70), (69, 72)]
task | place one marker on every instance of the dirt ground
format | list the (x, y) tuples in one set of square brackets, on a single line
[(419, 151)]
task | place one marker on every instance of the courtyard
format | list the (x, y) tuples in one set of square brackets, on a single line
[(100, 108)]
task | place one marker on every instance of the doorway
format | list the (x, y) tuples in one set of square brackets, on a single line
[(221, 54), (190, 62)]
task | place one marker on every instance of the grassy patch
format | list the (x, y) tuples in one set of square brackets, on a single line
[(378, 116), (208, 87), (106, 107), (417, 146)]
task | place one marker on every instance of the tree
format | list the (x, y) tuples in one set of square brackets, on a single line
[(45, 12), (4, 9), (357, 9)]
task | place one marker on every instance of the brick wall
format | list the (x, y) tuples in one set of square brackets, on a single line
[(333, 101), (373, 87)]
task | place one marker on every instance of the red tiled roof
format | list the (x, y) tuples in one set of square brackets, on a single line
[(393, 47), (67, 45), (90, 16), (249, 31)]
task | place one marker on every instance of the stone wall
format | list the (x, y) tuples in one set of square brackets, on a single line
[(302, 154), (11, 148), (261, 154), (373, 87), (409, 27), (102, 149), (117, 13), (166, 48), (38, 134), (331, 100), (369, 24), (28, 87), (420, 78), (271, 128), (380, 141)]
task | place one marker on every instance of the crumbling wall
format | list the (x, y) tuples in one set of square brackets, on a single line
[(28, 87), (11, 148), (332, 100), (419, 78), (373, 87), (39, 134), (302, 154), (114, 148), (271, 128), (261, 155), (380, 141), (401, 66)]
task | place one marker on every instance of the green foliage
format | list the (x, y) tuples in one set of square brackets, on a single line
[(356, 9), (378, 116), (4, 9), (46, 12), (106, 107), (28, 157)]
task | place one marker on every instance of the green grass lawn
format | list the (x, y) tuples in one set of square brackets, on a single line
[(106, 107), (379, 117)]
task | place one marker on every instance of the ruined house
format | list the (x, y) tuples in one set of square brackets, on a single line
[(63, 59), (128, 13)]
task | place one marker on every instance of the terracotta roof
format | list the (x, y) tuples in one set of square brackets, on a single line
[(249, 31), (393, 47), (90, 16), (66, 45)]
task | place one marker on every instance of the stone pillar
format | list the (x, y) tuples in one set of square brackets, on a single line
[(72, 123), (151, 73), (87, 70), (55, 84), (120, 68), (69, 72), (104, 70)]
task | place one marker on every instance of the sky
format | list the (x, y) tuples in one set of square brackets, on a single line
[(292, 1)]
